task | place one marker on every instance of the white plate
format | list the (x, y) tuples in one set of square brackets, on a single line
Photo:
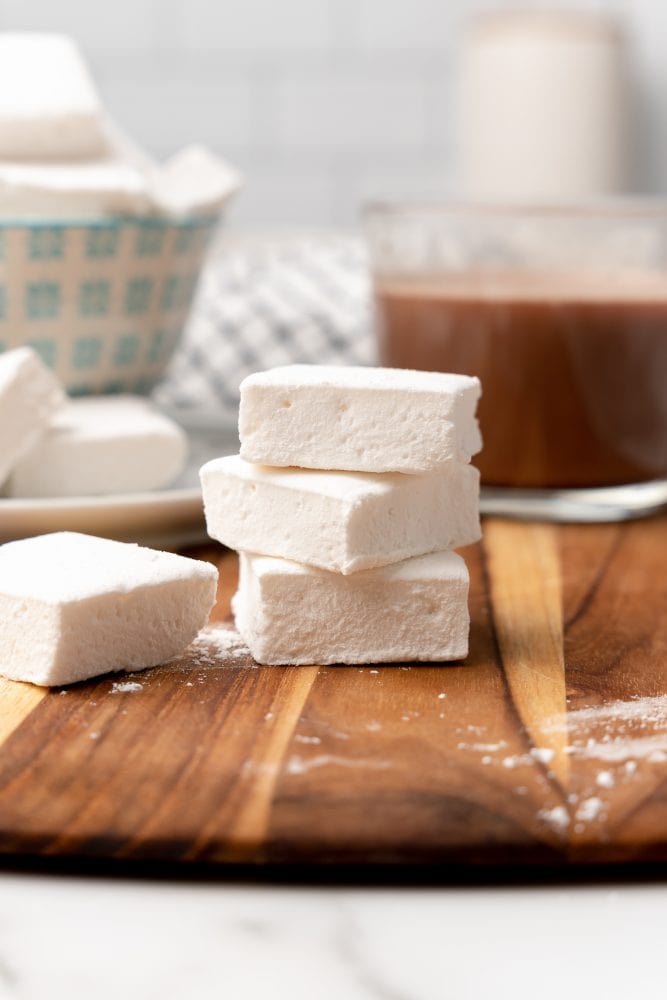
[(167, 518)]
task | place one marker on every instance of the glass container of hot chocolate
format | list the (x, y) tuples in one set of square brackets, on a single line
[(562, 313)]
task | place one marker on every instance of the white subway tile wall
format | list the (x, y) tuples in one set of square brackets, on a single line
[(320, 103), (256, 27)]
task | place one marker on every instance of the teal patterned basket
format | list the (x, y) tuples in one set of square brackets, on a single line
[(104, 302)]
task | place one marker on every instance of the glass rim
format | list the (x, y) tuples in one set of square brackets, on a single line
[(633, 206)]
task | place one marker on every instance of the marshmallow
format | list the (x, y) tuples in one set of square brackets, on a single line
[(340, 521), (413, 610), (116, 444), (361, 419), (72, 190), (29, 395), (194, 182), (49, 108), (73, 606)]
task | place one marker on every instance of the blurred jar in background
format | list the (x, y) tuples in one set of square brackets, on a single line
[(562, 313), (543, 105)]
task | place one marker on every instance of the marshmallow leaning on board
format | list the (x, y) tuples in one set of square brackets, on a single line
[(359, 419), (73, 606), (30, 395), (101, 445), (413, 610), (49, 107), (340, 521)]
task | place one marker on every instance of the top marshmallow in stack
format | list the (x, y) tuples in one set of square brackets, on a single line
[(358, 419)]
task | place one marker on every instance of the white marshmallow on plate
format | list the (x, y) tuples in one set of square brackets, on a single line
[(287, 613), (29, 395), (361, 419), (193, 182), (49, 107), (74, 606), (72, 190), (99, 446), (340, 521)]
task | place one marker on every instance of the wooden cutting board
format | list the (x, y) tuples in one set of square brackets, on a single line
[(548, 745)]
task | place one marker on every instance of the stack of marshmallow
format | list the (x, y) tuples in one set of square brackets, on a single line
[(352, 487)]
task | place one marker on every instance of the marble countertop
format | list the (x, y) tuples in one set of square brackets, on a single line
[(111, 938)]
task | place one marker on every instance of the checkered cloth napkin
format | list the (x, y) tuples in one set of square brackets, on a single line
[(260, 304)]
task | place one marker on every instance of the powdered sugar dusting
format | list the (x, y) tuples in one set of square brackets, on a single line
[(300, 765), (483, 747), (589, 809), (515, 760), (620, 737), (618, 731), (543, 754), (617, 749), (557, 818), (630, 730), (215, 643), (647, 711), (126, 687)]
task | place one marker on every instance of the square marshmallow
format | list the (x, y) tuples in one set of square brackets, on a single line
[(116, 444), (49, 107), (341, 521), (73, 606), (194, 182), (361, 419), (293, 614), (29, 395), (66, 190)]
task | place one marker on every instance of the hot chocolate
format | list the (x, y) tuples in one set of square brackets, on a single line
[(573, 370)]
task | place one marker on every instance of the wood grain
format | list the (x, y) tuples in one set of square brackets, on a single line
[(526, 597), (548, 745), (16, 703), (249, 824)]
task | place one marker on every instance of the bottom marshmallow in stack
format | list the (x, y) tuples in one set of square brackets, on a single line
[(346, 566), (416, 609)]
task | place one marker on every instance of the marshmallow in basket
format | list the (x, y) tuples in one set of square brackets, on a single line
[(61, 156)]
